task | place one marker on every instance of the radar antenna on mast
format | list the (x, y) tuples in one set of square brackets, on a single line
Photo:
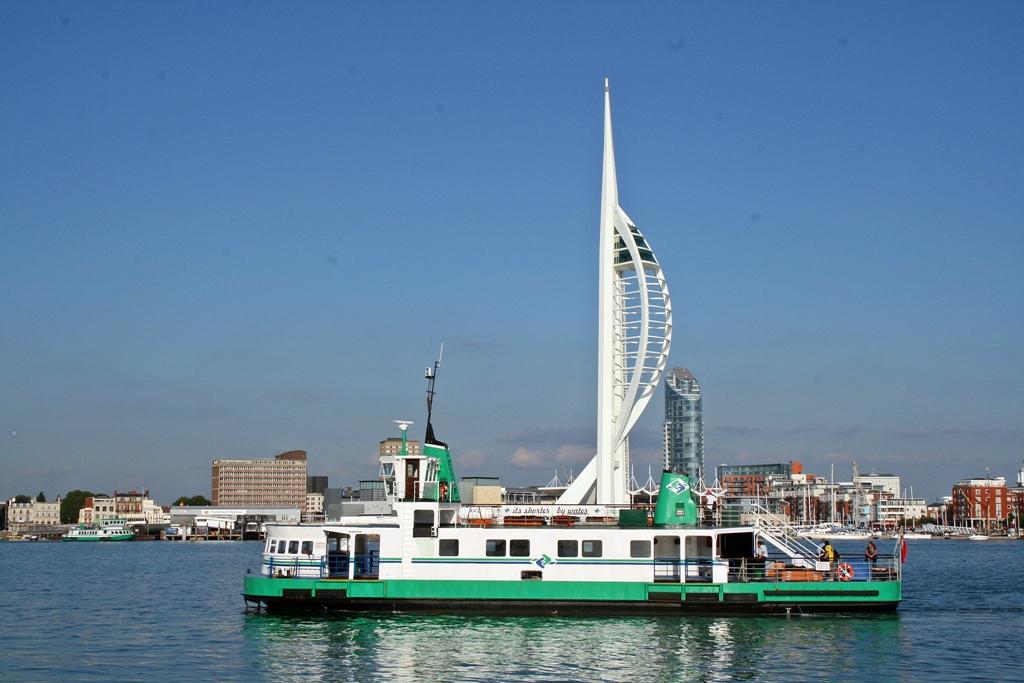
[(431, 376)]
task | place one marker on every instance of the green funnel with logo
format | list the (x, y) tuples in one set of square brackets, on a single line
[(676, 505)]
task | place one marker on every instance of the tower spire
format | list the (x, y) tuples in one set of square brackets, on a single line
[(634, 335), (609, 183)]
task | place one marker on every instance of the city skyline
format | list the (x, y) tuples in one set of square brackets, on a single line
[(212, 248)]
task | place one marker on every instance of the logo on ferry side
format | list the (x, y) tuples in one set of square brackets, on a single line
[(676, 486), (543, 561)]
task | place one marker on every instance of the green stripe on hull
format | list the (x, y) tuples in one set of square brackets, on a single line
[(790, 592), (126, 537)]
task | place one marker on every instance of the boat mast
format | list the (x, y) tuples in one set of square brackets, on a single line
[(832, 512), (431, 375)]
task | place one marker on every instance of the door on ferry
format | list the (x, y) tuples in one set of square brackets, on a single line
[(337, 555), (667, 559), (367, 556), (412, 478)]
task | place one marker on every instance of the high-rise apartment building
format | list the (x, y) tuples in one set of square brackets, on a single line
[(261, 483), (684, 425)]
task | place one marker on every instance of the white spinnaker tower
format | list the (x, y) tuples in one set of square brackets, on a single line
[(634, 337)]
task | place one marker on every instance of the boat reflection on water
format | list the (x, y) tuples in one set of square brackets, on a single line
[(418, 647)]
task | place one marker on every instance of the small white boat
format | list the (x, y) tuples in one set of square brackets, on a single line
[(977, 537), (916, 536), (830, 532)]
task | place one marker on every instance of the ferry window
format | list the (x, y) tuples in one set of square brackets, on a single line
[(422, 523), (639, 548), (568, 548), (518, 548), (448, 547), (495, 548), (272, 546), (293, 547), (591, 548), (307, 547)]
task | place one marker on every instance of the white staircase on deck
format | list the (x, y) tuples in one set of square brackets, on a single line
[(783, 536)]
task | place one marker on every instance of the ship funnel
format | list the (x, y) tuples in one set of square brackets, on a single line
[(676, 506)]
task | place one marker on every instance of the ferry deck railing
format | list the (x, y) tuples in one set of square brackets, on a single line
[(778, 569), (330, 566)]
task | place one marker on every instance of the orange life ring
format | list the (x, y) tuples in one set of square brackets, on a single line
[(845, 572)]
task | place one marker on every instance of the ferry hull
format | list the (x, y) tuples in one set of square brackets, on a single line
[(570, 598)]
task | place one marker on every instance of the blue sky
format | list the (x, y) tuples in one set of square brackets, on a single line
[(235, 229)]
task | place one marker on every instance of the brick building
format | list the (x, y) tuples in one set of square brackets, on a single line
[(981, 502), (754, 480)]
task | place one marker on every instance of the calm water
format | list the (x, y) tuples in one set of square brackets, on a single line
[(173, 611)]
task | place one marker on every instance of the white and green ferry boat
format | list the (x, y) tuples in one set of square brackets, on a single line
[(422, 549), (592, 552), (107, 530)]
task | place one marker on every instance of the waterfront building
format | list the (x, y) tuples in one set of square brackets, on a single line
[(807, 498), (981, 502), (753, 480), (22, 516), (131, 506), (245, 522), (887, 483), (314, 510), (280, 481), (893, 512), (634, 338), (1015, 498), (684, 425)]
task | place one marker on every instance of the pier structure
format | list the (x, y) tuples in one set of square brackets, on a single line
[(634, 338)]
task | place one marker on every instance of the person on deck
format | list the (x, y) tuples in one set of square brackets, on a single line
[(871, 553), (760, 557), (829, 554)]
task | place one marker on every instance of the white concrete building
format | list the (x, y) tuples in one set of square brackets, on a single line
[(886, 483), (22, 516), (314, 511), (131, 506), (239, 518), (896, 511)]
